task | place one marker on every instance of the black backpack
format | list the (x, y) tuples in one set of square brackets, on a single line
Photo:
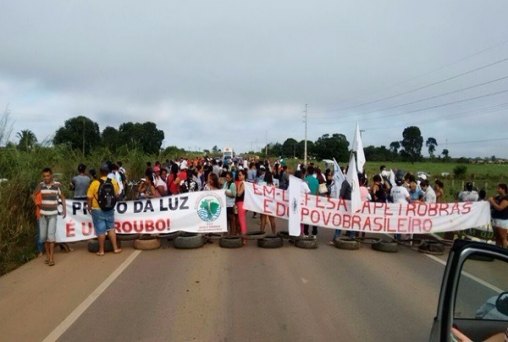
[(107, 197)]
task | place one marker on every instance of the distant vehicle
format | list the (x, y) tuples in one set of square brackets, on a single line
[(227, 155)]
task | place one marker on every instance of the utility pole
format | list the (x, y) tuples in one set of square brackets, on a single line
[(305, 139)]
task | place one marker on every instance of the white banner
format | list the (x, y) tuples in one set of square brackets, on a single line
[(196, 212), (391, 218)]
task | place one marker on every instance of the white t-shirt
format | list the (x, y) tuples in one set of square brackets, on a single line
[(400, 194), (468, 196), (430, 195), (159, 182)]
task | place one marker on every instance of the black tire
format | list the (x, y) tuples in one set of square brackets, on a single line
[(93, 246), (386, 246), (169, 236), (214, 236), (231, 242), (147, 244), (254, 235), (347, 243), (271, 241), (284, 235), (432, 247), (368, 240), (126, 237), (189, 241), (306, 243)]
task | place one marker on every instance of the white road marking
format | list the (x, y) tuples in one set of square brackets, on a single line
[(78, 311), (469, 275)]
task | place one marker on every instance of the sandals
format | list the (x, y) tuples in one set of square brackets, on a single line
[(117, 251), (100, 254), (51, 263)]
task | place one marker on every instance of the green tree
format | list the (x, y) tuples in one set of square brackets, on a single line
[(274, 149), (289, 148), (334, 146), (145, 136), (412, 142), (111, 138), (300, 149), (394, 147), (27, 140), (80, 133), (445, 153), (431, 144)]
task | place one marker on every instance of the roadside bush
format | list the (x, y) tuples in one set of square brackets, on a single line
[(460, 171)]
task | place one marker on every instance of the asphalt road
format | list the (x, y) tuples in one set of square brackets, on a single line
[(246, 294)]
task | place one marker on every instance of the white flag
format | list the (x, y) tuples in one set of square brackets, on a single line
[(358, 148), (294, 196), (352, 178), (338, 179)]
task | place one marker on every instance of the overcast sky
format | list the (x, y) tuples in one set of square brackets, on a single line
[(237, 73)]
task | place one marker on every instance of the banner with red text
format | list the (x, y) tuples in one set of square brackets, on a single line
[(196, 212), (391, 218)]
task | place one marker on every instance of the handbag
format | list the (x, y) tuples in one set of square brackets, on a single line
[(323, 189)]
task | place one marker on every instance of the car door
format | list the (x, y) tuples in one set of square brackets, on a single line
[(473, 297)]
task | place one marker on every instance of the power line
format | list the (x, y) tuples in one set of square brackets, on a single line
[(437, 96), (433, 71), (424, 86), (434, 107)]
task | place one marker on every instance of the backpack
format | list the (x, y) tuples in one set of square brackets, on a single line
[(106, 198)]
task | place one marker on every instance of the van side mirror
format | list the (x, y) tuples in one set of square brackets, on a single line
[(502, 303)]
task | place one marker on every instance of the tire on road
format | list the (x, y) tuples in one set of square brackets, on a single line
[(169, 236), (147, 244), (231, 242), (271, 241), (126, 237), (306, 243), (432, 247), (189, 241), (347, 243), (386, 246), (368, 240), (93, 246), (254, 235), (283, 234)]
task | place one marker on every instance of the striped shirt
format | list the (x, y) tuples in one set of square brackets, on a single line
[(50, 194)]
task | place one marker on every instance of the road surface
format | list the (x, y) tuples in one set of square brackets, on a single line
[(216, 294)]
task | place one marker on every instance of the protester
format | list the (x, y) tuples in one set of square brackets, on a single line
[(51, 193), (240, 195), (38, 243), (377, 190), (158, 182), (212, 183), (415, 193), (103, 218), (468, 194), (400, 194), (429, 193), (499, 205), (230, 190), (265, 218), (80, 183), (439, 189), (313, 184)]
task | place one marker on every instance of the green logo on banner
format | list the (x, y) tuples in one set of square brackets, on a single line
[(209, 209)]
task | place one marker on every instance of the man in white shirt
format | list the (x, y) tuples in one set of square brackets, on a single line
[(429, 193)]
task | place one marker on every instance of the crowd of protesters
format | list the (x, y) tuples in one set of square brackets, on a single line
[(188, 175)]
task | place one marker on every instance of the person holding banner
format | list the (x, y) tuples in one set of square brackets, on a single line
[(268, 180), (240, 195), (313, 184), (103, 221), (499, 205), (230, 188)]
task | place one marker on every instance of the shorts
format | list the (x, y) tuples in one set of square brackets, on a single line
[(499, 223), (103, 221), (47, 228)]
